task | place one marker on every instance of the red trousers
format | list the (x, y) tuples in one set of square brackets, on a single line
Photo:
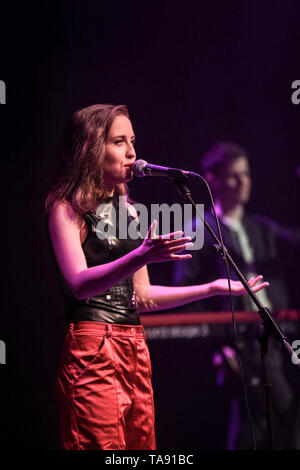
[(104, 390)]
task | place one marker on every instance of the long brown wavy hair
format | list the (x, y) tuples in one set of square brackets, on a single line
[(77, 177)]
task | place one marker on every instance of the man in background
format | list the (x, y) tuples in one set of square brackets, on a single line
[(257, 244)]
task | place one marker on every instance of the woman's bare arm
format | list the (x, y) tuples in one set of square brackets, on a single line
[(151, 297), (64, 229)]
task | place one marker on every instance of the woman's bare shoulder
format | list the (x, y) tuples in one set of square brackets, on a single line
[(62, 212)]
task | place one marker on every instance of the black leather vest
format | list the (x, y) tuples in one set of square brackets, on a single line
[(105, 243)]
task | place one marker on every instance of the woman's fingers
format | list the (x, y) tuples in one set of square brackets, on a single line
[(166, 247), (152, 229), (260, 286), (172, 236), (177, 241), (168, 236), (180, 247), (168, 244), (256, 284), (254, 280), (173, 256)]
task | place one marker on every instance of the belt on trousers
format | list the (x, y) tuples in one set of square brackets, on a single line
[(106, 329)]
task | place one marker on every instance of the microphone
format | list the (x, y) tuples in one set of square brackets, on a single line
[(141, 168)]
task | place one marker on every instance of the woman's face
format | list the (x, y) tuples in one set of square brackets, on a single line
[(119, 153)]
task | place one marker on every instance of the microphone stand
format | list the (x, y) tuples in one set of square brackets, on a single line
[(268, 326)]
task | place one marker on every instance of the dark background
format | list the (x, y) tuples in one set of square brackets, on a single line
[(190, 73)]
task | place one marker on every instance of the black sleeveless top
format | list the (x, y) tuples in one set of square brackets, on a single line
[(106, 241)]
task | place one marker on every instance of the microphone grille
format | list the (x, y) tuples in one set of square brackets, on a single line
[(138, 168)]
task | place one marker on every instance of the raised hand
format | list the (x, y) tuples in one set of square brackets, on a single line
[(237, 288), (157, 249)]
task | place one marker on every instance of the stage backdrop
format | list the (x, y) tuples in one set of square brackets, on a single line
[(191, 73)]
